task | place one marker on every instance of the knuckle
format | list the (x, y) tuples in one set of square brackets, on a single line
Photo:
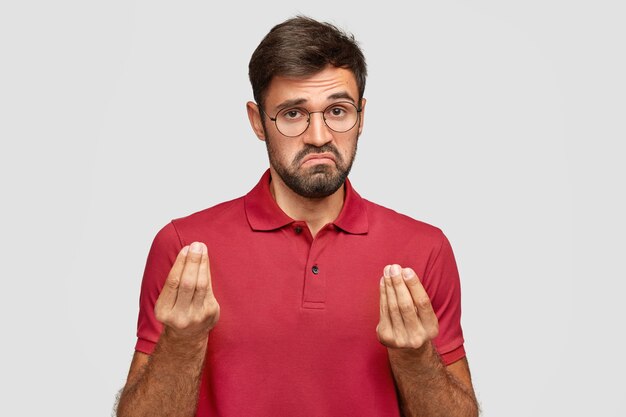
[(199, 317), (161, 315), (423, 303), (383, 330), (384, 339), (400, 340), (180, 322), (172, 282), (187, 285), (202, 285), (406, 307), (172, 322), (213, 308), (416, 342), (212, 316), (194, 258)]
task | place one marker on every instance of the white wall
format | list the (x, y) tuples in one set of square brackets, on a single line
[(500, 122)]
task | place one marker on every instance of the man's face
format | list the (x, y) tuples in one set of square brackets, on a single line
[(316, 163)]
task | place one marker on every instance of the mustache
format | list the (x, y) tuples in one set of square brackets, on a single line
[(309, 149)]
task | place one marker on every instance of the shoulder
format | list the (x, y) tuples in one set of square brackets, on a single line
[(384, 219), (224, 215)]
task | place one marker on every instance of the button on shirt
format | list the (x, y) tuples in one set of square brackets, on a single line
[(298, 315)]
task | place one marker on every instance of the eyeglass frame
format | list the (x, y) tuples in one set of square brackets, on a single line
[(308, 122)]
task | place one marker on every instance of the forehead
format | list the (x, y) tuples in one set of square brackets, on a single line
[(312, 90)]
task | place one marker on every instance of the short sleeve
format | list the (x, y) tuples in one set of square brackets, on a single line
[(441, 282), (161, 257)]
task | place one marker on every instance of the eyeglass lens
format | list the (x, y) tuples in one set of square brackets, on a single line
[(340, 117)]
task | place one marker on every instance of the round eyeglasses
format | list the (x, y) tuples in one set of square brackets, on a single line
[(294, 121)]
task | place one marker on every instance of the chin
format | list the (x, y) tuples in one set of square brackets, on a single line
[(323, 169)]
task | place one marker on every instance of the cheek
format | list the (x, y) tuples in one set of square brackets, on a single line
[(348, 150), (281, 152)]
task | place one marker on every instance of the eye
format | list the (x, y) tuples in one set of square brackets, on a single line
[(292, 114), (336, 112)]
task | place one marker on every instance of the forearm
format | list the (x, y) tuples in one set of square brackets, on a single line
[(168, 385), (426, 388)]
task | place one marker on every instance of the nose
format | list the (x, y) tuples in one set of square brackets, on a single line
[(318, 134)]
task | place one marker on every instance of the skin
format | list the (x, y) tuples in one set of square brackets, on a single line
[(166, 383), (407, 327), (315, 91)]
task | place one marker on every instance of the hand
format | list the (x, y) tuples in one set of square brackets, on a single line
[(186, 306), (407, 319)]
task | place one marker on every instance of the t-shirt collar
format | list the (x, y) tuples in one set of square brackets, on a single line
[(264, 214)]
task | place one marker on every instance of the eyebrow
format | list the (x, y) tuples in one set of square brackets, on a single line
[(299, 101), (341, 94)]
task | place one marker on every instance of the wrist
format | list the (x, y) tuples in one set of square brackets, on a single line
[(412, 354), (424, 359), (174, 340)]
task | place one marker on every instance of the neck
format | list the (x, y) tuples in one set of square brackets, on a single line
[(316, 212)]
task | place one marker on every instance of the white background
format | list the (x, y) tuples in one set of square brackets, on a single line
[(500, 122)]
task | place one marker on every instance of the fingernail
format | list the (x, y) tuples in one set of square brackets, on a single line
[(386, 271), (394, 270), (184, 250), (196, 247), (407, 273)]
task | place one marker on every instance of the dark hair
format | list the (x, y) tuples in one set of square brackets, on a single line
[(300, 47)]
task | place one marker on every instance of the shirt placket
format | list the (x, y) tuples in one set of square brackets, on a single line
[(315, 273)]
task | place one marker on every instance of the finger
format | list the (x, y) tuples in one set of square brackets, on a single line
[(167, 298), (203, 282), (189, 276), (405, 302), (394, 313), (208, 269), (421, 300), (384, 324)]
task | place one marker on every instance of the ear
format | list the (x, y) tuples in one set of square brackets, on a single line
[(254, 115), (362, 117)]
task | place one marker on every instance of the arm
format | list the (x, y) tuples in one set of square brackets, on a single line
[(407, 326), (167, 382)]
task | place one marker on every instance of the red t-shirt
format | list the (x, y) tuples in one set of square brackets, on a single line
[(298, 315)]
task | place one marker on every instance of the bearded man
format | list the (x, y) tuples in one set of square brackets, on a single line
[(301, 298)]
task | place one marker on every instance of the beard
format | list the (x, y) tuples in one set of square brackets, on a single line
[(318, 181)]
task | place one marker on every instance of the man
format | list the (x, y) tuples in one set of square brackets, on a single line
[(301, 298)]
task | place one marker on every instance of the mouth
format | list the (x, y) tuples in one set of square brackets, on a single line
[(318, 158)]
